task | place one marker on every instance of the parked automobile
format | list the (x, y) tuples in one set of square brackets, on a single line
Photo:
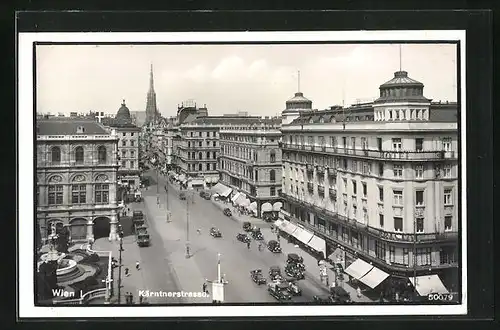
[(340, 295), (243, 238), (182, 196), (323, 299), (293, 287), (274, 246), (137, 215), (247, 226), (279, 291), (294, 258), (215, 232), (257, 234), (227, 212), (257, 276), (274, 272), (205, 194), (294, 271)]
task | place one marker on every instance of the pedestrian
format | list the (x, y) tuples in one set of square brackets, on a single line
[(358, 291), (248, 245), (127, 272), (140, 299), (204, 287), (381, 299), (397, 296), (131, 298), (137, 265)]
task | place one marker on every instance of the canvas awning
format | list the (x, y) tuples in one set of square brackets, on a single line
[(374, 277), (303, 235), (266, 207), (253, 206), (235, 197), (241, 199), (219, 188), (182, 177), (318, 244), (226, 192), (197, 182), (277, 206), (215, 179), (288, 227), (358, 269), (245, 203), (428, 284), (208, 180)]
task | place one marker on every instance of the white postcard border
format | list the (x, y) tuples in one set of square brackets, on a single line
[(27, 308)]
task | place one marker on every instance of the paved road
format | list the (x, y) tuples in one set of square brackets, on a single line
[(236, 259)]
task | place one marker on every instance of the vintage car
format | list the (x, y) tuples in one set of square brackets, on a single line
[(294, 258), (205, 194), (242, 237), (279, 291), (257, 277), (274, 272), (227, 212), (293, 287), (323, 299), (137, 215), (294, 271), (215, 232), (182, 196), (340, 295), (274, 246), (257, 234), (247, 226)]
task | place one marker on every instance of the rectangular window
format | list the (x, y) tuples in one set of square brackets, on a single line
[(406, 257), (365, 190), (366, 168), (124, 153), (447, 223), (419, 144), (419, 197), (354, 211), (102, 193), (381, 169), (200, 134), (124, 143), (272, 191), (424, 256), (354, 187), (381, 194), (380, 250), (132, 164), (398, 197), (447, 144), (392, 254), (345, 184), (447, 171), (447, 197), (124, 163), (214, 143), (124, 134), (214, 166), (310, 140), (419, 225), (344, 142), (419, 172), (132, 134), (55, 195), (398, 224), (381, 220), (78, 194), (132, 143), (398, 171), (132, 153), (354, 165), (364, 144), (353, 143), (333, 141), (344, 161), (396, 144)]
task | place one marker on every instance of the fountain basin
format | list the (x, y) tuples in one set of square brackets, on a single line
[(71, 265)]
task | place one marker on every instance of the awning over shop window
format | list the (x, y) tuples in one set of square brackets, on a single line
[(235, 197), (197, 182), (219, 188), (226, 192), (182, 177), (277, 206), (303, 235), (253, 206), (215, 179), (266, 207), (288, 227), (358, 269), (428, 284), (245, 203), (241, 199), (318, 244), (374, 277), (208, 180)]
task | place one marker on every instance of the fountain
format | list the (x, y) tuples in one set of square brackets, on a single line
[(64, 266)]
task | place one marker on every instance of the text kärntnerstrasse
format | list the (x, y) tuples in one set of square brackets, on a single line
[(173, 294)]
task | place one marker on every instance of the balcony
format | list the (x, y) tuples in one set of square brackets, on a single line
[(333, 192), (310, 187), (332, 172), (375, 232), (310, 168), (378, 154), (320, 170), (419, 211)]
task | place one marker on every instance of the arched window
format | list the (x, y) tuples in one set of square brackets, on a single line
[(272, 175), (101, 154), (272, 156), (200, 155), (79, 155), (56, 155)]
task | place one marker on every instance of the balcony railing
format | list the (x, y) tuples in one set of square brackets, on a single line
[(310, 168), (321, 190), (310, 186), (73, 163), (378, 154), (320, 170), (375, 232), (332, 171), (332, 192)]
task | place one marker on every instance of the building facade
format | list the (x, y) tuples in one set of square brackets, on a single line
[(381, 183), (250, 160), (76, 178)]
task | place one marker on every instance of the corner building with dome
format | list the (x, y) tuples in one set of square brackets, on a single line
[(375, 185)]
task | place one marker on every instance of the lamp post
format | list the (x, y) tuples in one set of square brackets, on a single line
[(415, 254), (188, 198), (120, 233)]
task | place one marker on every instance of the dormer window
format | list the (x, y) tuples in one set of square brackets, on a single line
[(311, 121), (80, 129), (321, 120)]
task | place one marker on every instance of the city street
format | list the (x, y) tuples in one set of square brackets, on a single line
[(236, 259)]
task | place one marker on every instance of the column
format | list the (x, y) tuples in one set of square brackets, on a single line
[(113, 224), (90, 232)]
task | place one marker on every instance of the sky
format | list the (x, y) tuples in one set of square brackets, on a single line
[(232, 78)]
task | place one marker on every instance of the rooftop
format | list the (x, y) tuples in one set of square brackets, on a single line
[(69, 126)]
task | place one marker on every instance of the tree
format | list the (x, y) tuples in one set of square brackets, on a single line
[(47, 280), (38, 237), (62, 242)]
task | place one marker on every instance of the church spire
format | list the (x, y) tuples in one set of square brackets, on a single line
[(151, 80)]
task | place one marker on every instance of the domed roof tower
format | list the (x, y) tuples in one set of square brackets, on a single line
[(123, 115), (401, 88), (295, 106)]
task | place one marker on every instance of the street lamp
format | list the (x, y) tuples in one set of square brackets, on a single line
[(120, 234), (188, 199)]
